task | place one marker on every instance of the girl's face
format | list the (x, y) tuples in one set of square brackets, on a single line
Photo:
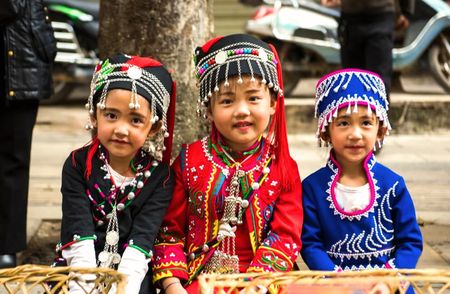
[(354, 135), (121, 130), (241, 112)]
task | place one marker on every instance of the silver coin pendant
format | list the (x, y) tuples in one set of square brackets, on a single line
[(112, 238)]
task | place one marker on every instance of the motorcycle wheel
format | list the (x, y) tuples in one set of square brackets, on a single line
[(61, 91), (439, 61)]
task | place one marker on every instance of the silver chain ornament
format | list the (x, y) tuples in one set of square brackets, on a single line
[(110, 257), (225, 259)]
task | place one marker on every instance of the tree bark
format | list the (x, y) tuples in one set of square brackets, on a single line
[(168, 31)]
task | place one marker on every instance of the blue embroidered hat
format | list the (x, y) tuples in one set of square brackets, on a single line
[(350, 88)]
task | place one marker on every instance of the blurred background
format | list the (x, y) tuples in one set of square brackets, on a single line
[(303, 31)]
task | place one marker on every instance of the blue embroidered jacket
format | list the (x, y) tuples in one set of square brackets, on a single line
[(385, 234)]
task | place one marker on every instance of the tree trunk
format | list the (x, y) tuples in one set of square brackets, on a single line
[(168, 31)]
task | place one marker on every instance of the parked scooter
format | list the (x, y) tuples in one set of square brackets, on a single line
[(305, 33), (76, 26)]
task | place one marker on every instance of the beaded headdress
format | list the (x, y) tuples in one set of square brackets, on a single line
[(146, 77), (233, 55), (350, 88), (237, 55)]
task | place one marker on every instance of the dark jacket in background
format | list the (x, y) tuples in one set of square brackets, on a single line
[(28, 48), (366, 34), (367, 7)]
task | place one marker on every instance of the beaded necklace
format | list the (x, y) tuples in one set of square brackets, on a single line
[(225, 259), (109, 256)]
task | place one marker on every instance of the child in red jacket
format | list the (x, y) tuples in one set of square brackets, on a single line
[(237, 198)]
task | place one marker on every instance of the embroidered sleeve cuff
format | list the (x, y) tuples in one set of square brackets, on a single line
[(80, 254), (270, 260), (148, 254), (169, 261), (76, 238), (170, 270), (289, 249)]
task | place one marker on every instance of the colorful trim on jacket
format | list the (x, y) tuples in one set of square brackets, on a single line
[(274, 227)]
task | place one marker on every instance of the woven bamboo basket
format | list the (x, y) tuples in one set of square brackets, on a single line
[(31, 279), (319, 282)]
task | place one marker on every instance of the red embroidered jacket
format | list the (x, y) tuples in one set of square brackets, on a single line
[(187, 237)]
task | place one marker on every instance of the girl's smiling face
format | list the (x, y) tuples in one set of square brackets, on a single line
[(241, 112), (121, 130), (354, 135)]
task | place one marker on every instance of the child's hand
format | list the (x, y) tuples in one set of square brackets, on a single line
[(173, 285), (402, 23), (176, 288), (331, 3)]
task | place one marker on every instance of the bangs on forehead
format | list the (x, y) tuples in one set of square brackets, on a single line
[(245, 80), (233, 82), (361, 110)]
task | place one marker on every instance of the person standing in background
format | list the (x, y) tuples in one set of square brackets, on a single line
[(366, 33), (28, 48)]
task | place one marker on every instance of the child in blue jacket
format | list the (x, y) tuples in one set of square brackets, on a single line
[(358, 214)]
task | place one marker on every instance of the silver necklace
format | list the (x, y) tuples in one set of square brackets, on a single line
[(225, 259), (109, 256)]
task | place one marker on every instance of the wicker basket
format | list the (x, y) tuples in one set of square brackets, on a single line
[(318, 282), (27, 279)]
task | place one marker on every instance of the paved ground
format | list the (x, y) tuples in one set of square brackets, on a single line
[(423, 160)]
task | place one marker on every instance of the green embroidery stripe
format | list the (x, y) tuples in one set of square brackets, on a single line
[(196, 273), (60, 247), (129, 201), (251, 151), (221, 155), (261, 179), (255, 232), (140, 249), (273, 262), (132, 166), (87, 238)]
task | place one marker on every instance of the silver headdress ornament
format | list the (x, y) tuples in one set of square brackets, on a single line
[(234, 55), (350, 89), (138, 80)]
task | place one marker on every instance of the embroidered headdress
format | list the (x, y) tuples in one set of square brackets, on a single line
[(146, 77), (350, 88), (237, 55), (234, 55)]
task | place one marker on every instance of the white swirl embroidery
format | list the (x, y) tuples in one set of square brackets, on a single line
[(373, 243)]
